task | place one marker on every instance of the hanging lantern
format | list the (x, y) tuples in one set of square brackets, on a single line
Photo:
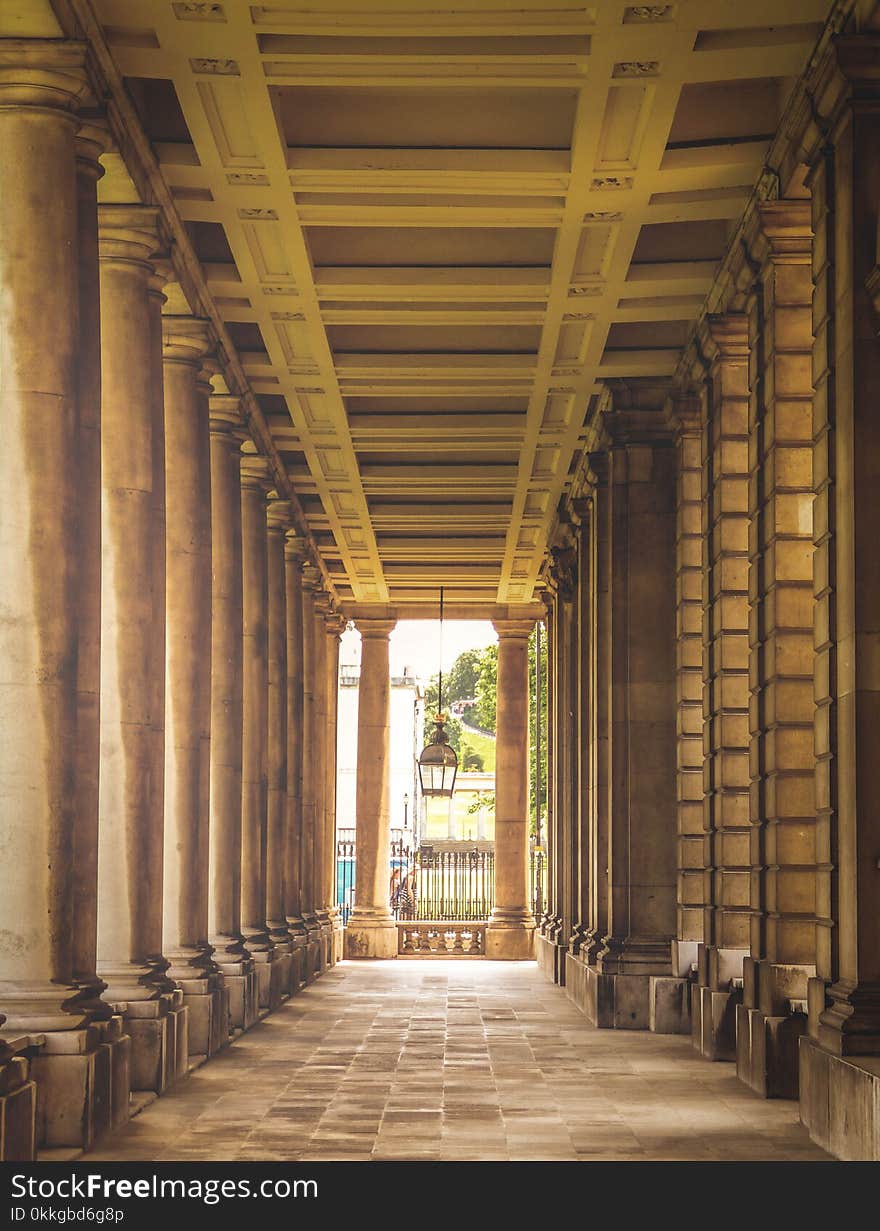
[(438, 763)]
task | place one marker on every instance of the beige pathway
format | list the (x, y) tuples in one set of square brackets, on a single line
[(424, 1059)]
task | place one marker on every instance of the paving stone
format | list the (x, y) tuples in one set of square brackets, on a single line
[(442, 1060)]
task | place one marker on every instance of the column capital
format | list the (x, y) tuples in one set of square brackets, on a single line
[(684, 413), (787, 227), (162, 274), (278, 512), (323, 603), (93, 138), (294, 546), (225, 414), (186, 339), (256, 474), (128, 234), (335, 623), (311, 577), (45, 73), (375, 628), (728, 333), (516, 628)]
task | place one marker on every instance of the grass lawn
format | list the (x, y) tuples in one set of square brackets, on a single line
[(484, 745)]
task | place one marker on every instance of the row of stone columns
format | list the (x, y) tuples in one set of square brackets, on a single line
[(154, 658)]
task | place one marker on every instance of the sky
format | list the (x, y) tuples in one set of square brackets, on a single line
[(416, 644)]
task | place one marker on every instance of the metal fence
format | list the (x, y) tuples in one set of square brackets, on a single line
[(427, 884)]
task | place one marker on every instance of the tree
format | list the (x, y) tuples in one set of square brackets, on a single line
[(537, 758), (453, 726), (461, 682), (486, 691)]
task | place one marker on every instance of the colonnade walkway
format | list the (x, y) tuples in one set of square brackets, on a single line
[(455, 1060)]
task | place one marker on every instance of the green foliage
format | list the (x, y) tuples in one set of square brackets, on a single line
[(484, 802), (470, 758), (461, 682), (486, 692), (537, 798)]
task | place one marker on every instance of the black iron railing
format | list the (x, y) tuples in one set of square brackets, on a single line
[(428, 884)]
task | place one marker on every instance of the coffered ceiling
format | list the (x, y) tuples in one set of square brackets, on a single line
[(435, 227)]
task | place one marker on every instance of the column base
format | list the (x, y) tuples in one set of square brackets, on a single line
[(207, 1005), (551, 955), (670, 1006), (148, 1026), (511, 942), (365, 939), (18, 1106), (72, 1075), (713, 1022), (840, 1102)]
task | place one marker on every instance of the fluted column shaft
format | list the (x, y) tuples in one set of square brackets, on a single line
[(278, 521), (130, 850), (92, 140), (40, 85), (255, 484), (371, 930), (293, 898), (224, 912), (511, 929), (188, 664)]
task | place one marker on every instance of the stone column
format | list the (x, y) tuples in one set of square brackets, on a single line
[(130, 800), (371, 930), (599, 818), (335, 626), (725, 686), (642, 843), (310, 581), (782, 808), (320, 611), (293, 895), (255, 484), (92, 140), (224, 845), (839, 1061), (685, 416), (583, 706), (43, 495), (584, 731), (510, 932), (277, 523), (188, 680), (561, 671)]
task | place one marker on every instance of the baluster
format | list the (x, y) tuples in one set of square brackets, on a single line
[(425, 940), (458, 946)]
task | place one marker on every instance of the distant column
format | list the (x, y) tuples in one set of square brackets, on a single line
[(511, 929), (371, 930)]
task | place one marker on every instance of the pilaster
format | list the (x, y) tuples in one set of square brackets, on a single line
[(725, 685)]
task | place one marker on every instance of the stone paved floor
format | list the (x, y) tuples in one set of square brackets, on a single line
[(425, 1059)]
